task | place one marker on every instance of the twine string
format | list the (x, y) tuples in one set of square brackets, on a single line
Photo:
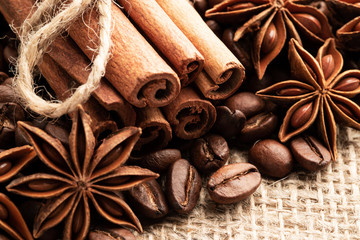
[(36, 36)]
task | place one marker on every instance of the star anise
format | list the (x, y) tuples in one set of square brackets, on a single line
[(320, 94), (11, 220), (11, 162), (271, 21), (82, 176)]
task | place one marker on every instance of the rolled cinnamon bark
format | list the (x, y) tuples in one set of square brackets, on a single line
[(223, 68), (70, 58), (167, 37), (189, 115), (135, 69), (62, 83), (65, 53), (156, 130)]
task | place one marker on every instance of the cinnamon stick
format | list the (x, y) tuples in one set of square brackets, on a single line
[(135, 69), (189, 115), (222, 67), (65, 53), (167, 37), (156, 130), (62, 83)]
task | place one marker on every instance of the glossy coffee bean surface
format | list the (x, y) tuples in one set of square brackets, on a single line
[(271, 157), (233, 182), (183, 185)]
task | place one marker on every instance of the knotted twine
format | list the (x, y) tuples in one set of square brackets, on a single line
[(36, 35)]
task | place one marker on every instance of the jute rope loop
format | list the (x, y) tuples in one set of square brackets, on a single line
[(36, 36)]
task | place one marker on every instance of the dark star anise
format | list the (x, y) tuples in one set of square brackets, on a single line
[(11, 162), (320, 94), (82, 176), (271, 21), (11, 220)]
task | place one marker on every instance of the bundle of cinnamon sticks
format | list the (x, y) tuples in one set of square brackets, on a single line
[(167, 68)]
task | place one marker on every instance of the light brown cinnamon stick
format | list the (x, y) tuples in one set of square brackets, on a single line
[(135, 69), (189, 115), (61, 83), (156, 130), (71, 59), (222, 67), (167, 37)]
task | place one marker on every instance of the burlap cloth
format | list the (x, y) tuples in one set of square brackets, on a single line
[(322, 205)]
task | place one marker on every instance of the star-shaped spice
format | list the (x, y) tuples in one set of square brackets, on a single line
[(83, 176), (11, 162), (11, 220), (320, 94), (271, 21)]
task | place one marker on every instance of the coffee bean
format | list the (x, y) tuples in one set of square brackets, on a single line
[(149, 199), (183, 185), (258, 127), (160, 160), (240, 50), (215, 27), (209, 153), (111, 234), (271, 157), (310, 153), (246, 102), (233, 182), (228, 123), (201, 6), (58, 132)]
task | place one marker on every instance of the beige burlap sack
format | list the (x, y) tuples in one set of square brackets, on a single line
[(322, 205)]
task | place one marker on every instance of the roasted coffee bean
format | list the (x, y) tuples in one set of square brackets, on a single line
[(310, 153), (328, 65), (270, 39), (239, 50), (215, 27), (209, 153), (258, 127), (309, 22), (160, 160), (233, 182), (301, 115), (246, 102), (201, 6), (271, 157), (111, 234), (58, 132), (228, 123), (183, 185), (149, 200), (10, 113)]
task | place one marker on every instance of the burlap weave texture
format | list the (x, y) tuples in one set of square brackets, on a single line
[(322, 205)]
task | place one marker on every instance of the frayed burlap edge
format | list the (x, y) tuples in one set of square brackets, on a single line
[(322, 205)]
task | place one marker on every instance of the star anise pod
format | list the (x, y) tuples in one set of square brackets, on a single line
[(86, 174), (11, 221), (12, 161), (271, 21), (321, 94)]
